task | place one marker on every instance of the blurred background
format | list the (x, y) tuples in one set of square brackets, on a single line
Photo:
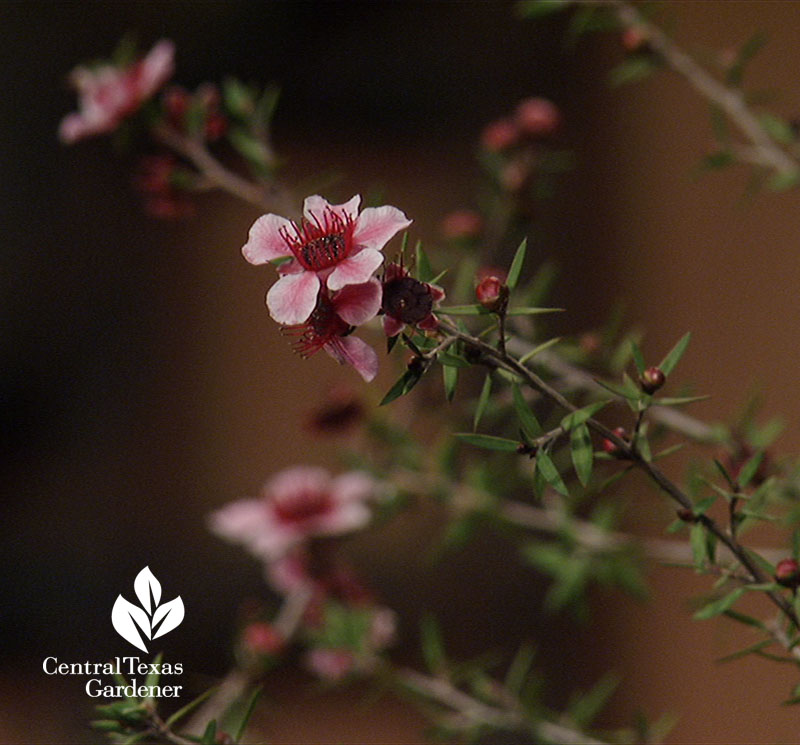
[(143, 383)]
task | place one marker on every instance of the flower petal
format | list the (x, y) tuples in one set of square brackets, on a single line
[(353, 486), (392, 326), (357, 304), (265, 242), (375, 226), (317, 205), (355, 270), (296, 479), (156, 68), (346, 517), (350, 350), (292, 299), (437, 293)]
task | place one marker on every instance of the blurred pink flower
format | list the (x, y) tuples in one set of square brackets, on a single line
[(538, 117), (108, 93), (331, 664), (296, 504), (407, 301), (499, 135), (461, 224), (330, 324), (332, 246)]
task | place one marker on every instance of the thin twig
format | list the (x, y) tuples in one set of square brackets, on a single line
[(765, 150)]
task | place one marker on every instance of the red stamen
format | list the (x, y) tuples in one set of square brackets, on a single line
[(319, 245), (322, 327)]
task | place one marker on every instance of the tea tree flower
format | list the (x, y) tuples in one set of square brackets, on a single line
[(110, 93), (407, 301), (295, 505), (332, 322), (331, 247)]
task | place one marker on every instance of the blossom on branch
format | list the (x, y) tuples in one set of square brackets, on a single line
[(332, 322), (295, 505), (331, 247), (109, 93)]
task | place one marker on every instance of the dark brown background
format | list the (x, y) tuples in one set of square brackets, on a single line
[(143, 384)]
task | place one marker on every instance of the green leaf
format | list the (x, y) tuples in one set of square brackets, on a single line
[(746, 651), (516, 265), (530, 425), (488, 442), (747, 51), (545, 466), (587, 708), (424, 271), (632, 70), (406, 382), (483, 400), (619, 390), (582, 453), (637, 358), (673, 357), (189, 708), (570, 421), (248, 712), (777, 128), (784, 181), (719, 606), (452, 360), (267, 103), (450, 377), (519, 669), (238, 98), (540, 348), (704, 505), (540, 8), (747, 620), (210, 735), (532, 311), (679, 401), (697, 539), (249, 146), (750, 468)]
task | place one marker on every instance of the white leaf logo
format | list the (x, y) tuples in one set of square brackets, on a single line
[(151, 620)]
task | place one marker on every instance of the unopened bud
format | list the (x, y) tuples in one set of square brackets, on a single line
[(538, 117), (611, 447), (492, 294), (499, 135), (635, 40), (652, 379), (262, 639), (787, 573)]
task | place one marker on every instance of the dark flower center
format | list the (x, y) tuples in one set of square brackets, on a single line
[(322, 326), (302, 505), (407, 299), (320, 244)]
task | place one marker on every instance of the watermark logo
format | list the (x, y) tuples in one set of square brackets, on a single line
[(152, 618)]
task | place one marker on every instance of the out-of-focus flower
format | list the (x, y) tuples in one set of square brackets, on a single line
[(295, 505), (537, 117), (107, 94), (155, 179), (331, 323), (199, 112), (341, 410), (332, 246), (462, 224), (407, 301), (500, 135), (331, 664)]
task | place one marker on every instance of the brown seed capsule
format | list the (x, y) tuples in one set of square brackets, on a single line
[(652, 379), (787, 573)]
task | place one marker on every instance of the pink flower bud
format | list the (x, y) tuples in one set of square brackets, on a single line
[(492, 294), (611, 447), (461, 224), (787, 573), (499, 135), (538, 117), (634, 39)]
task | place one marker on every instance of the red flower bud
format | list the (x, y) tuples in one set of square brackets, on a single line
[(611, 447), (634, 40), (492, 294), (262, 639), (652, 379), (461, 224), (787, 573), (499, 135), (538, 117)]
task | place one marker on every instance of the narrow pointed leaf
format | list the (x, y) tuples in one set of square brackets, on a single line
[(483, 400), (637, 358), (463, 310), (405, 383), (582, 415), (548, 469), (248, 712), (532, 311), (515, 269), (189, 708), (540, 348), (673, 357), (582, 453), (450, 378), (530, 425), (424, 271), (750, 469), (488, 442), (719, 606), (210, 735)]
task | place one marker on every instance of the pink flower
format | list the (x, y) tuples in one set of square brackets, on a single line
[(407, 301), (332, 246), (331, 664), (462, 224), (295, 505), (108, 94), (499, 135), (332, 321), (538, 117)]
